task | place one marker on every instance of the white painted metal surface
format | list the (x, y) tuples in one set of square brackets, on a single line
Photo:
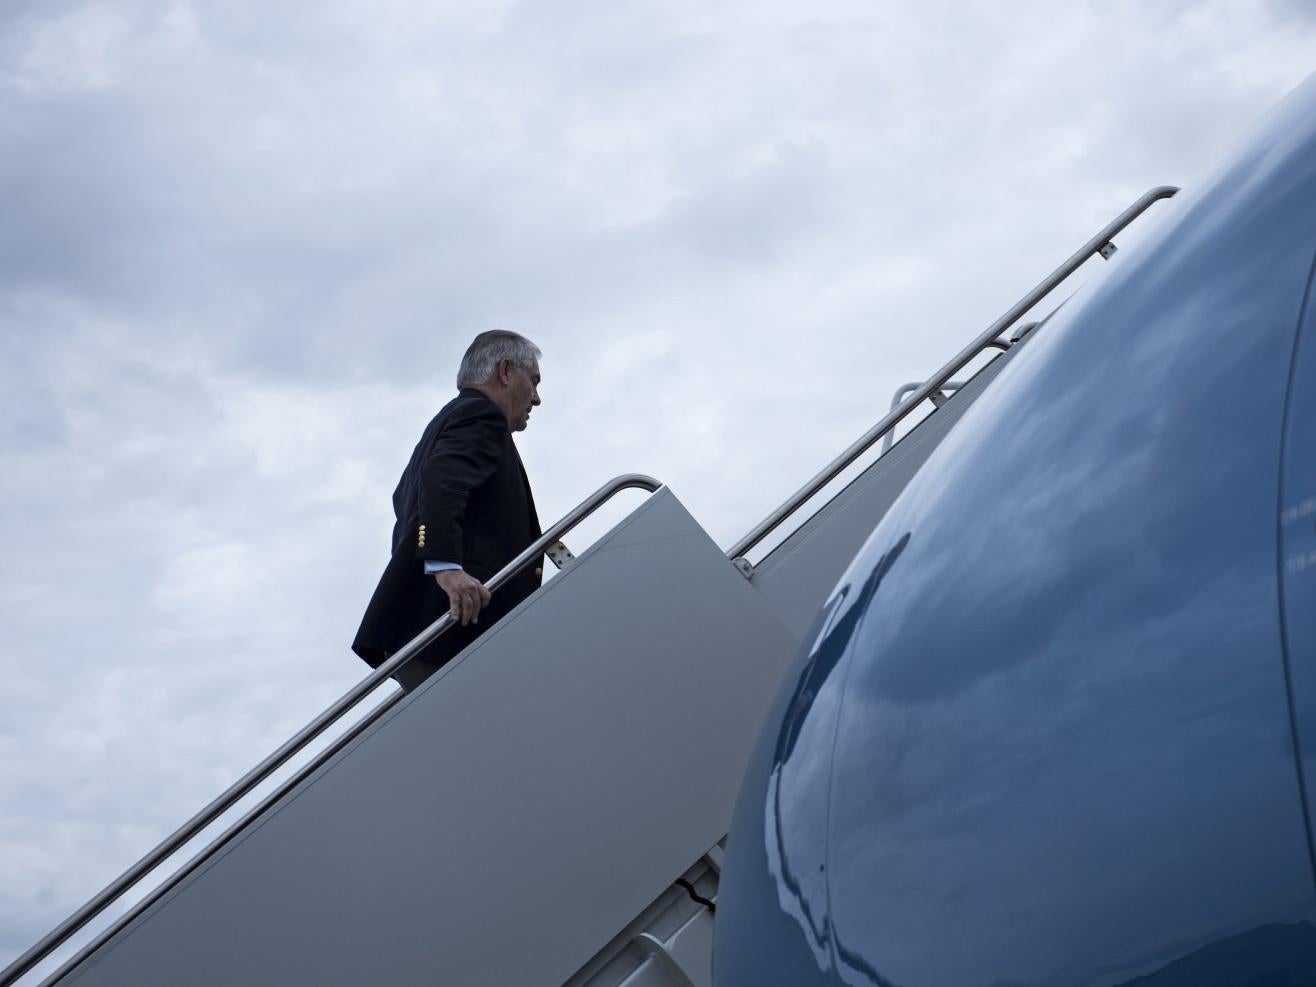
[(508, 819)]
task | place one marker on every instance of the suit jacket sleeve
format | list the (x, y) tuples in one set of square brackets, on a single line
[(465, 454)]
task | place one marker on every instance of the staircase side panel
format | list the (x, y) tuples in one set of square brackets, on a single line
[(511, 816)]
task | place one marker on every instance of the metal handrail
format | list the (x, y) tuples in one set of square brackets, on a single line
[(934, 383), (292, 746), (903, 389)]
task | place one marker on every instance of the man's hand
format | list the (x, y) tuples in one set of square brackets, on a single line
[(466, 595)]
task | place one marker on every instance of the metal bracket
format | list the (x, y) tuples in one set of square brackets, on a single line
[(1023, 330), (744, 566), (938, 398), (1107, 250), (650, 946), (714, 859), (559, 554)]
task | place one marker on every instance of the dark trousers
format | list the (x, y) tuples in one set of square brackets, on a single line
[(414, 672), (453, 641)]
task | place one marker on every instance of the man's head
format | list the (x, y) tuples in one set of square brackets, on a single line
[(504, 367)]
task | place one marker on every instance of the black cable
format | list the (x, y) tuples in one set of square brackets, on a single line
[(690, 890)]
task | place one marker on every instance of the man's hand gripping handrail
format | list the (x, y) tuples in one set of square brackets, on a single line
[(573, 517)]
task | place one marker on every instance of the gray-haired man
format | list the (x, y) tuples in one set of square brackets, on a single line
[(463, 509)]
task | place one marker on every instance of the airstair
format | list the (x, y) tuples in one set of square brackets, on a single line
[(550, 807)]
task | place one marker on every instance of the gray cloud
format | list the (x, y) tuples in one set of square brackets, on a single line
[(243, 250), (1290, 11)]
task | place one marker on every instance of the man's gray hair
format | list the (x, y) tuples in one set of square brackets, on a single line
[(488, 350)]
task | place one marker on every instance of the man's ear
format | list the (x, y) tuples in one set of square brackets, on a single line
[(504, 372)]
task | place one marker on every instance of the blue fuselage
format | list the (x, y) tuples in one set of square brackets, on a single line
[(1049, 726)]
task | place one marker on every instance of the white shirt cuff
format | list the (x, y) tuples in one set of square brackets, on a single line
[(432, 567)]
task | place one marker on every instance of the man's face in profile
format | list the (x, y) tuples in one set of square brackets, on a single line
[(522, 395)]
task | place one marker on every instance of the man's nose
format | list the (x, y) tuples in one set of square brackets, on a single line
[(534, 397)]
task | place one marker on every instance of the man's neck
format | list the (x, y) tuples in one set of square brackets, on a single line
[(489, 392)]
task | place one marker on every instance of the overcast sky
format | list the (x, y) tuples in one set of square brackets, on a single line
[(243, 246)]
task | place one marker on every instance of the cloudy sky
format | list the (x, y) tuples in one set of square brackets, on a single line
[(242, 248)]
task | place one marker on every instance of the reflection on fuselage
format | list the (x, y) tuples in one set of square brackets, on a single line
[(801, 880)]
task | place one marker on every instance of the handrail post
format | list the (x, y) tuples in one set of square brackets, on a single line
[(901, 391)]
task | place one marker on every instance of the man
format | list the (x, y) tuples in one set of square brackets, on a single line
[(464, 510)]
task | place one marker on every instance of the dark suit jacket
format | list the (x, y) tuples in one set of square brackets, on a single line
[(464, 497)]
